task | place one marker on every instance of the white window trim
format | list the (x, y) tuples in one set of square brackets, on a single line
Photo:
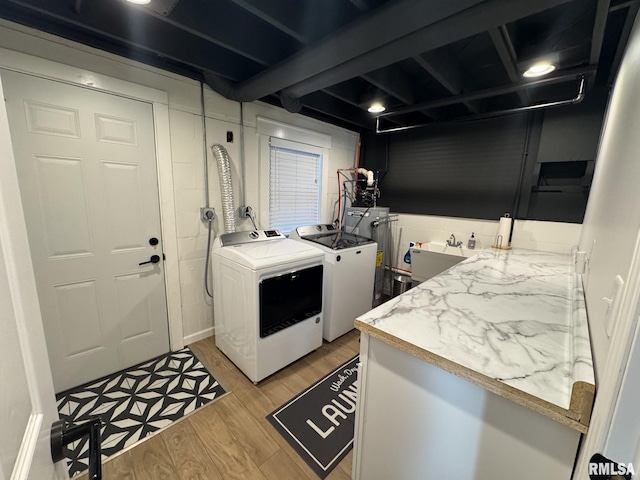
[(275, 129)]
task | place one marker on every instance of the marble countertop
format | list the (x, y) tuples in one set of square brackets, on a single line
[(511, 321)]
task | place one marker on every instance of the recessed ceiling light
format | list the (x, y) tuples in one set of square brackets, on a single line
[(139, 2), (539, 69), (376, 108)]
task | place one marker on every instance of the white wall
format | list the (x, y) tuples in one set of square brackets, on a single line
[(187, 152), (528, 234), (612, 219)]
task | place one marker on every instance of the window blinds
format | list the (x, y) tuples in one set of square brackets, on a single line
[(294, 188)]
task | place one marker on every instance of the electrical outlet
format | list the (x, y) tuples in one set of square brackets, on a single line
[(207, 214), (246, 212)]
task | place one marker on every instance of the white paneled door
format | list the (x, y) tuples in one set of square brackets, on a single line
[(86, 165)]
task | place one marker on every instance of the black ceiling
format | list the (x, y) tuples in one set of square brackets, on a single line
[(426, 60)]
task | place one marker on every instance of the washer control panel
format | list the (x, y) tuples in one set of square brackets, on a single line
[(315, 230)]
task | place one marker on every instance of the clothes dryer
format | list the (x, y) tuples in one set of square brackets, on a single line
[(268, 294)]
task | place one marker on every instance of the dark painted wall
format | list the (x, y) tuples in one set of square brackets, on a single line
[(535, 165)]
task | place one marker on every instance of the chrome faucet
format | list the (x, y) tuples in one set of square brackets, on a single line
[(452, 242)]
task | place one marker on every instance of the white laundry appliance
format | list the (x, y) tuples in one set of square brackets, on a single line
[(267, 297), (349, 275)]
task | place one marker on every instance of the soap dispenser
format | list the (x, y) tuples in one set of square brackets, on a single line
[(471, 244)]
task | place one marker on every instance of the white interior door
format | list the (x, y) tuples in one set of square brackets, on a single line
[(27, 404), (87, 173)]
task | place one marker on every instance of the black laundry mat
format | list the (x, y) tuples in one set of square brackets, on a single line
[(137, 402), (319, 422)]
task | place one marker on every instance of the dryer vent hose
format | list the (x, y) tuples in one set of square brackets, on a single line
[(226, 187)]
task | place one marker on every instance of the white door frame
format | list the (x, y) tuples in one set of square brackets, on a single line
[(34, 457), (23, 63)]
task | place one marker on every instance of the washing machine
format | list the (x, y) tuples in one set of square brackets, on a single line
[(349, 275), (267, 298)]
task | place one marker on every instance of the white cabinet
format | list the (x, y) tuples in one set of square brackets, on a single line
[(417, 421)]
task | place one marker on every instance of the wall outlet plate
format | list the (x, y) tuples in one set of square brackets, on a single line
[(207, 214)]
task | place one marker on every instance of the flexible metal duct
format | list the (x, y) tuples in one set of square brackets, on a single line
[(226, 188)]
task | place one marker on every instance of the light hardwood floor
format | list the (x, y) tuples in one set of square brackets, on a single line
[(231, 439)]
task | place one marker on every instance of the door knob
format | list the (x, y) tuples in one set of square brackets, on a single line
[(153, 259), (64, 433)]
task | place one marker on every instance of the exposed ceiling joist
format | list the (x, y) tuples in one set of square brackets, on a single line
[(364, 35), (360, 5), (599, 25), (392, 82), (506, 52), (330, 59), (272, 18), (569, 75), (331, 106), (249, 52), (471, 21), (177, 45), (597, 37), (344, 93), (395, 84), (624, 37), (622, 5), (447, 73)]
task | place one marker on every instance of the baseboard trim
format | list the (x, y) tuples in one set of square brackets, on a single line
[(194, 337)]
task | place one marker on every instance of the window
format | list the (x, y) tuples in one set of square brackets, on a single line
[(294, 187)]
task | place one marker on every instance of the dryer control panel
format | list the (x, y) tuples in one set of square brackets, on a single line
[(237, 238)]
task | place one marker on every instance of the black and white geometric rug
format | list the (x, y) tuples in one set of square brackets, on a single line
[(137, 402)]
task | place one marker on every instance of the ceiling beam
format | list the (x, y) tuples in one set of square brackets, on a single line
[(361, 5), (393, 82), (567, 76), (597, 35), (624, 38), (471, 21), (244, 52), (396, 84), (113, 20), (447, 73), (226, 34), (270, 17), (599, 26), (346, 95), (625, 4), (333, 107), (506, 52), (360, 37)]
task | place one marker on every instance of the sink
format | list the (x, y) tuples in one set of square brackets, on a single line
[(433, 258), (443, 248)]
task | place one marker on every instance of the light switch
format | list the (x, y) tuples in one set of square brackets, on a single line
[(612, 303)]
